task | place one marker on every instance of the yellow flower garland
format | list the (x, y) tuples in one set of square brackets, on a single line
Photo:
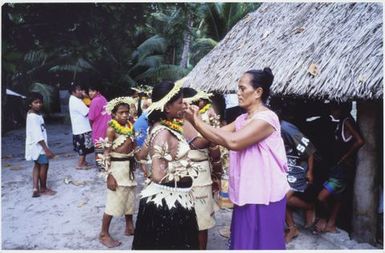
[(128, 129), (205, 109), (175, 124)]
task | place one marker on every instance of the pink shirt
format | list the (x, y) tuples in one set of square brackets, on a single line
[(257, 174), (99, 117)]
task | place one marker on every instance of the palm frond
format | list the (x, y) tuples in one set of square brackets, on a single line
[(164, 72), (79, 65), (151, 61), (201, 47), (153, 45), (35, 57)]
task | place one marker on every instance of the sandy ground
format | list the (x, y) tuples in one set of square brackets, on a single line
[(71, 219)]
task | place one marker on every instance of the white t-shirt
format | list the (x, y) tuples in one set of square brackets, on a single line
[(78, 114), (35, 132)]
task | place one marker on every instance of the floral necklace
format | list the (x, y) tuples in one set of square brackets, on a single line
[(123, 130), (175, 124), (205, 109)]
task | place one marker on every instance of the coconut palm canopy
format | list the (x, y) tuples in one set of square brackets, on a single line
[(315, 50)]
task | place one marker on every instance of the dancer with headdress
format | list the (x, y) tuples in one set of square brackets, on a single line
[(118, 163), (166, 217)]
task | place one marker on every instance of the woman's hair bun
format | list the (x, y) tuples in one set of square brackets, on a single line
[(268, 71), (269, 77)]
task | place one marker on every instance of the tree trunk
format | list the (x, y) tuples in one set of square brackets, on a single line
[(365, 200), (186, 43)]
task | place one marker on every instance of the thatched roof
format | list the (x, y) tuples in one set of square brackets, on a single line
[(342, 40)]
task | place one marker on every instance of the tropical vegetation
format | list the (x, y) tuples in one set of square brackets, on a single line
[(45, 46)]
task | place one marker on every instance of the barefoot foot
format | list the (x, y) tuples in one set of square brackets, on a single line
[(107, 241), (291, 233), (129, 231), (319, 227), (35, 193), (47, 191), (330, 228)]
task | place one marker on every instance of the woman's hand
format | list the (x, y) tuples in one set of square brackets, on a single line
[(111, 183), (192, 113)]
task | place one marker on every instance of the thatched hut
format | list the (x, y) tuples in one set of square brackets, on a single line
[(319, 51)]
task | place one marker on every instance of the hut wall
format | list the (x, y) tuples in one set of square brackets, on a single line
[(365, 200)]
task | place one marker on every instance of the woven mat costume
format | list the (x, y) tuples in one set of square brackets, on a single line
[(166, 217), (121, 201), (205, 206)]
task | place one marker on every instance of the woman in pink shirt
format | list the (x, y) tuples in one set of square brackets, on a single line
[(97, 116), (257, 182)]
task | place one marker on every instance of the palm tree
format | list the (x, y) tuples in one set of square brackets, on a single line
[(217, 19)]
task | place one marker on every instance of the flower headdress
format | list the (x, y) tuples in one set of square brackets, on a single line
[(200, 95), (159, 105), (145, 89), (119, 100)]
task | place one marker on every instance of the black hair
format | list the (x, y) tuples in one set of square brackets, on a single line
[(218, 100), (73, 86), (117, 106), (95, 86), (188, 92), (263, 79), (345, 107), (34, 96), (160, 90)]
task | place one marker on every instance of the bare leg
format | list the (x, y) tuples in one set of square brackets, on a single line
[(331, 225), (294, 201), (309, 216), (323, 197), (202, 237), (292, 230), (129, 225), (43, 180), (82, 163), (35, 179), (104, 236)]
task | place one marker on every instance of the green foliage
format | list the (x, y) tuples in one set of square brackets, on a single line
[(154, 45), (201, 47), (47, 91), (116, 44), (163, 72)]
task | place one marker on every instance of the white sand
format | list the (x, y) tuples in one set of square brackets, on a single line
[(71, 220)]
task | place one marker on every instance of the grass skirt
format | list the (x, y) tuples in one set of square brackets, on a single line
[(161, 228)]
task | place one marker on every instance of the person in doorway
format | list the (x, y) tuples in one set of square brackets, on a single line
[(346, 142), (300, 155), (81, 128)]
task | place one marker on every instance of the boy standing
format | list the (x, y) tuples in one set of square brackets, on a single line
[(118, 162), (36, 147), (344, 147), (81, 128)]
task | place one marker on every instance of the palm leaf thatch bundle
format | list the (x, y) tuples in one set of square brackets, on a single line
[(316, 50)]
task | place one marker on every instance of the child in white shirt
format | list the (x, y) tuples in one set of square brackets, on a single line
[(36, 147)]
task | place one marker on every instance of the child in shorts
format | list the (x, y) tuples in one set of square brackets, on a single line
[(36, 146)]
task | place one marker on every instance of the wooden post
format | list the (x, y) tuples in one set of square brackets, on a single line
[(365, 199)]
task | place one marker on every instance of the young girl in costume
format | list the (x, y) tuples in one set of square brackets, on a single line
[(206, 157), (118, 162)]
